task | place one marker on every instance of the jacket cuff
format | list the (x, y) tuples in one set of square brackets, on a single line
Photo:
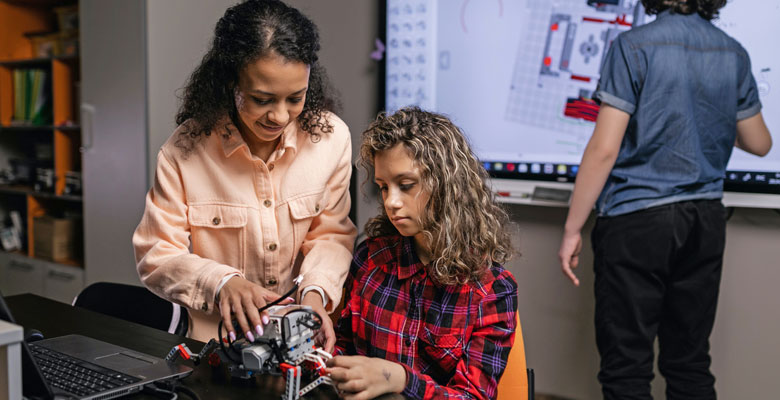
[(206, 288), (320, 281), (318, 290), (224, 280)]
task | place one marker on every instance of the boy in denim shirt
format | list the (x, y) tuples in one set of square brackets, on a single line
[(676, 95)]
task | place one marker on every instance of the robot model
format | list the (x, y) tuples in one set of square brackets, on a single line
[(286, 348)]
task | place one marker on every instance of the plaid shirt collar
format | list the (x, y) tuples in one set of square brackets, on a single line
[(397, 257)]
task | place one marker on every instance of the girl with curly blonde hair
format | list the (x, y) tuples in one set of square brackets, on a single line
[(430, 312)]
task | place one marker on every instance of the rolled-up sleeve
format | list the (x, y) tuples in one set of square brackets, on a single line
[(162, 242), (619, 85), (328, 245), (748, 102)]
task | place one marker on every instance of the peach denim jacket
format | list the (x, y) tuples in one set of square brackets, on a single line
[(219, 210)]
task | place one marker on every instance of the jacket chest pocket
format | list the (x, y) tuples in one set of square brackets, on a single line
[(303, 210), (219, 233), (442, 348)]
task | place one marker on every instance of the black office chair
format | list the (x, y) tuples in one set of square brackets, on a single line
[(135, 304)]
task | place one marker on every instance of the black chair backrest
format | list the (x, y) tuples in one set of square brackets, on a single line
[(131, 303)]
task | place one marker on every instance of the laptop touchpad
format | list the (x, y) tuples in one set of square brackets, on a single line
[(121, 361)]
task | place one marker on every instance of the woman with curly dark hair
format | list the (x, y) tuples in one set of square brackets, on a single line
[(253, 184), (430, 311), (677, 95)]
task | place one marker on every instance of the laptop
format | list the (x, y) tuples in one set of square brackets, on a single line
[(79, 367)]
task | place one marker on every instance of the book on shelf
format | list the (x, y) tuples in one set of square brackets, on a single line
[(32, 96)]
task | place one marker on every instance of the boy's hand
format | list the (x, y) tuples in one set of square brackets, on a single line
[(569, 254), (358, 377), (326, 336)]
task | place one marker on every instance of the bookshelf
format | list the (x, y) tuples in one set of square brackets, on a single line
[(39, 145)]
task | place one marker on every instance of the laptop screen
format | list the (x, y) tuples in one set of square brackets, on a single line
[(33, 384)]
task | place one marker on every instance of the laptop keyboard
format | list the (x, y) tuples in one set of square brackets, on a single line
[(77, 376)]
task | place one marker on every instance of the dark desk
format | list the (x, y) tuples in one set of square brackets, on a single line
[(56, 319)]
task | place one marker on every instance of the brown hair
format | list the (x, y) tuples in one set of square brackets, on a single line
[(708, 9), (466, 228)]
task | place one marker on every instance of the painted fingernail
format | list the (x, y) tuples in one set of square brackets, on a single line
[(265, 320), (250, 336), (259, 330), (232, 336), (290, 299)]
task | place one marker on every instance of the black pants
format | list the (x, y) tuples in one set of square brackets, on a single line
[(657, 272)]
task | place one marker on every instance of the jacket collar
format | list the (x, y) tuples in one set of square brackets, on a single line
[(232, 139), (395, 255)]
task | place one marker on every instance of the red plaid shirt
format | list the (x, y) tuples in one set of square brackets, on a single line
[(453, 341)]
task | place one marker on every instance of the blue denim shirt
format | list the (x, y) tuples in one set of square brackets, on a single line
[(685, 84)]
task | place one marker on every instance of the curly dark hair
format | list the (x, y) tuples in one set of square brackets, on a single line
[(708, 9), (247, 32), (467, 229)]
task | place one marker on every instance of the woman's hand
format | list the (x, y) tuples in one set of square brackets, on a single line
[(358, 377), (241, 299), (326, 337)]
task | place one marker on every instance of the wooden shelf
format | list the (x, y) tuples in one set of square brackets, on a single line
[(67, 128), (67, 263), (39, 3), (55, 145), (28, 128), (37, 61), (27, 63), (24, 190)]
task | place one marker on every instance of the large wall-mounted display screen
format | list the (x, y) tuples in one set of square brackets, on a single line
[(517, 76)]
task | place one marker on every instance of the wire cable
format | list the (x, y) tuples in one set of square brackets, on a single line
[(170, 389)]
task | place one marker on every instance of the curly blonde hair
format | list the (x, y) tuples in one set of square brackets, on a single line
[(465, 227)]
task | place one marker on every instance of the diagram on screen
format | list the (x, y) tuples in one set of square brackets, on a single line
[(567, 48)]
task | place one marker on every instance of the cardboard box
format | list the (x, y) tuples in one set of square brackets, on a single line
[(54, 238)]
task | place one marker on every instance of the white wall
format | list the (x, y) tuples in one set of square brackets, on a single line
[(113, 96), (179, 33)]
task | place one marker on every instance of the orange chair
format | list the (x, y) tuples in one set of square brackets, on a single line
[(517, 382)]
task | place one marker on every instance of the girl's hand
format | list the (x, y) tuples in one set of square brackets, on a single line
[(240, 299), (326, 336), (358, 377)]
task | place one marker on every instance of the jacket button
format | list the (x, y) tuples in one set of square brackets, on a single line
[(205, 306), (272, 246), (317, 208), (272, 282), (267, 203), (216, 221), (270, 167)]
